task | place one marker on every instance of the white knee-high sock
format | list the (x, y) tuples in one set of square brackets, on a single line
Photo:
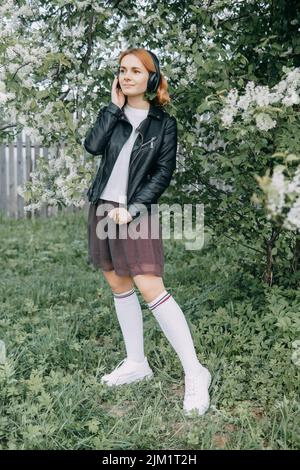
[(130, 318), (175, 327)]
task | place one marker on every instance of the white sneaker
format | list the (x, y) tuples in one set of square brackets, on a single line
[(129, 371), (196, 397)]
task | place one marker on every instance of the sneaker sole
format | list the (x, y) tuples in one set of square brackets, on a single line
[(145, 377)]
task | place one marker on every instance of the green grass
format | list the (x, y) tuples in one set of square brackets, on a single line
[(61, 332)]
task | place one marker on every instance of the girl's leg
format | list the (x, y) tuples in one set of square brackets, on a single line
[(170, 318), (129, 314), (173, 323)]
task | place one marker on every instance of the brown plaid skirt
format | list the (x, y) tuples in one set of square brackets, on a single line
[(119, 250)]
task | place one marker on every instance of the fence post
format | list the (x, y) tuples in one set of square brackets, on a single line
[(3, 180), (20, 175), (12, 194), (28, 167)]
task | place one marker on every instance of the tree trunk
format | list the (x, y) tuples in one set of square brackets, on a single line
[(268, 273)]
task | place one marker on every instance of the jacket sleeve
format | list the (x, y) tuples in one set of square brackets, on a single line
[(98, 136), (161, 174)]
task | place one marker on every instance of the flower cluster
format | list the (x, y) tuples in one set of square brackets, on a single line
[(283, 196), (60, 179), (257, 100)]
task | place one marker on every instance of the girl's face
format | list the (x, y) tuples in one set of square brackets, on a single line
[(134, 73)]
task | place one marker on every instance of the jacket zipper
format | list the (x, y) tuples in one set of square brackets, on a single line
[(151, 146), (151, 140)]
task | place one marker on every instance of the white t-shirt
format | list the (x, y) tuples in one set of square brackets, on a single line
[(116, 187)]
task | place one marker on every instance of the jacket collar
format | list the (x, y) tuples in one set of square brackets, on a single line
[(154, 111)]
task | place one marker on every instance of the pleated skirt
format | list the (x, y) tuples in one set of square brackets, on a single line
[(128, 249)]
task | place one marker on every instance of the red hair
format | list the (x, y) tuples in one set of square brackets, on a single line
[(162, 96)]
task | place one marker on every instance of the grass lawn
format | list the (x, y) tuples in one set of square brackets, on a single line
[(61, 332)]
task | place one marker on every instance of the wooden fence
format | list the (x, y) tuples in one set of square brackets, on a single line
[(17, 160)]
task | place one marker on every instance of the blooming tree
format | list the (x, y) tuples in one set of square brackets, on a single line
[(233, 81), (50, 86)]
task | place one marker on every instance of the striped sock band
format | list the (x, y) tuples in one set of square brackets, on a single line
[(122, 295), (163, 297)]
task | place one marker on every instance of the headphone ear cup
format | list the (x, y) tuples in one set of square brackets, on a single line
[(154, 77), (151, 82)]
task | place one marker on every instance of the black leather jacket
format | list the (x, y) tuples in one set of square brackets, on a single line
[(152, 160)]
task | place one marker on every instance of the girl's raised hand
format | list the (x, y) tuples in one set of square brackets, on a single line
[(117, 95)]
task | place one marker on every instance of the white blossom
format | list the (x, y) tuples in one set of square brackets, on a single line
[(292, 220), (292, 98), (264, 122), (184, 82), (276, 191)]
